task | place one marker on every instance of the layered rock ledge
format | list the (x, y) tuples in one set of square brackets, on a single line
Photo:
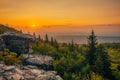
[(42, 62), (34, 67), (19, 43), (26, 73)]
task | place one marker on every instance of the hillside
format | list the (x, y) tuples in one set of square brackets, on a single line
[(4, 28)]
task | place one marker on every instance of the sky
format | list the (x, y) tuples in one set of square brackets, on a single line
[(34, 14), (56, 12)]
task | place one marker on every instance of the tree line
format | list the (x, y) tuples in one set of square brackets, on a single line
[(77, 62)]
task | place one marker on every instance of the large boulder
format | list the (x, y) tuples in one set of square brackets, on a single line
[(26, 73), (2, 44), (19, 43), (42, 62)]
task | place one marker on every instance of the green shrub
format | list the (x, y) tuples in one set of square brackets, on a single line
[(10, 58)]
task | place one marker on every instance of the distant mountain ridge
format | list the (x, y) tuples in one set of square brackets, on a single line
[(4, 28)]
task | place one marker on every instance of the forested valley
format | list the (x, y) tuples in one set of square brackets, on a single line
[(92, 61)]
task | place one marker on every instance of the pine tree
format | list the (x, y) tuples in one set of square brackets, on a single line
[(52, 41), (34, 34), (90, 56), (92, 42), (46, 38), (102, 64), (72, 46), (39, 38), (56, 45), (98, 58)]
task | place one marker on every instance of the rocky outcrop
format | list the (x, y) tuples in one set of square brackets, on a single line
[(26, 73), (19, 43), (42, 62), (34, 67), (2, 44)]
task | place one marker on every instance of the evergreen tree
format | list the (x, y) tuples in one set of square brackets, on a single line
[(72, 46), (52, 41), (34, 34), (102, 64), (46, 38), (56, 45), (92, 42), (39, 38), (98, 58)]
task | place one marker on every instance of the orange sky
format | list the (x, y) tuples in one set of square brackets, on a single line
[(59, 12)]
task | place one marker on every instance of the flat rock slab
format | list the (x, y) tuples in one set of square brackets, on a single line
[(15, 36), (42, 62), (31, 73)]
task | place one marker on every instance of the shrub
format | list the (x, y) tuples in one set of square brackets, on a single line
[(10, 58)]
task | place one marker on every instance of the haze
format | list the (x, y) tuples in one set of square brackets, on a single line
[(30, 15)]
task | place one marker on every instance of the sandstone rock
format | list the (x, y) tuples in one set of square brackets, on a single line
[(15, 36), (9, 68), (29, 74), (19, 43), (42, 62), (37, 72), (36, 67), (58, 77), (2, 44)]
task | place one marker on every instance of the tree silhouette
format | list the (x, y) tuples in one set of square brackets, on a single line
[(52, 41), (92, 42), (56, 45), (46, 38), (34, 34), (39, 37)]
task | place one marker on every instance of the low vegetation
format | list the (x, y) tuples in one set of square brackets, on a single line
[(90, 61), (4, 28), (73, 61), (10, 58)]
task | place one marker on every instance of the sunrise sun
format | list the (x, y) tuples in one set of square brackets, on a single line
[(33, 25)]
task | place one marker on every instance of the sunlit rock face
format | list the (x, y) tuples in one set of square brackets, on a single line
[(42, 62), (26, 73), (19, 43)]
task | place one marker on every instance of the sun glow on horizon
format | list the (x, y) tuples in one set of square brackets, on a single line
[(37, 14), (33, 25)]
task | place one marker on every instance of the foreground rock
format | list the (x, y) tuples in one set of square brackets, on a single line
[(42, 62), (19, 43), (26, 73), (35, 66)]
